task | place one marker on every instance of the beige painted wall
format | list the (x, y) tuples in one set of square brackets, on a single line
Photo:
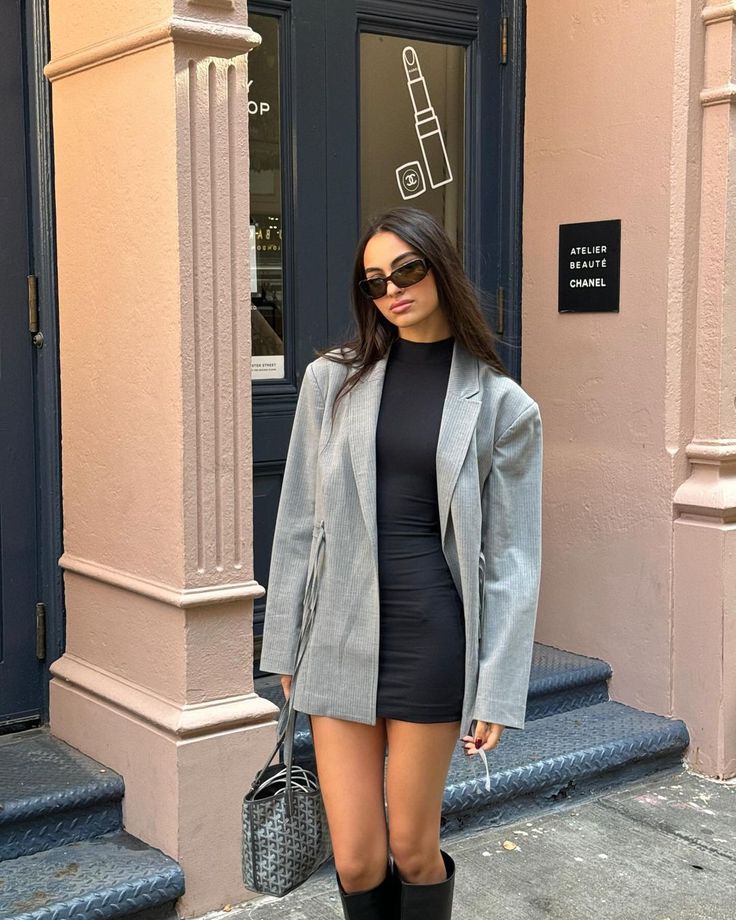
[(612, 131)]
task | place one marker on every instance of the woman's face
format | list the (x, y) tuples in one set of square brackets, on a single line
[(385, 252)]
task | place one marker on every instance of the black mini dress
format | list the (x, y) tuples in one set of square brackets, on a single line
[(421, 672)]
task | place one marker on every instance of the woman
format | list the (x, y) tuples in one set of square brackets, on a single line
[(414, 461)]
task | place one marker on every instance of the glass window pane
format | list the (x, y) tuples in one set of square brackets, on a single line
[(412, 123), (267, 270)]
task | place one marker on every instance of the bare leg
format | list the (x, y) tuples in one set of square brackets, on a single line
[(350, 767), (418, 760)]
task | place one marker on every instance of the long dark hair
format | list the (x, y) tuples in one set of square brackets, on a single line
[(457, 297)]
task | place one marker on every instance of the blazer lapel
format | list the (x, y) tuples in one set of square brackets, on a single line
[(459, 415), (364, 402)]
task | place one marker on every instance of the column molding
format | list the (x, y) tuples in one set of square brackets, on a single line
[(203, 596), (211, 114), (224, 37), (173, 719), (719, 12)]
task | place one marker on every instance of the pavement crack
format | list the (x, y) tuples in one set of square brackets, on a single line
[(670, 831)]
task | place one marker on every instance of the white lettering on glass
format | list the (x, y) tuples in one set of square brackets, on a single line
[(257, 108)]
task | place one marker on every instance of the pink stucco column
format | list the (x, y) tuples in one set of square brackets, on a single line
[(151, 152), (704, 648)]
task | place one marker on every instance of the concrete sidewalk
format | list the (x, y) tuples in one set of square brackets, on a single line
[(663, 848)]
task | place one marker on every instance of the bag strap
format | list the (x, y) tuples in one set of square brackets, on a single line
[(287, 717)]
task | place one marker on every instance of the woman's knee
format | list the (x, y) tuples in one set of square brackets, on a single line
[(361, 867), (413, 851), (359, 842)]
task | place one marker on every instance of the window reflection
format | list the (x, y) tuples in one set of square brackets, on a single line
[(267, 273)]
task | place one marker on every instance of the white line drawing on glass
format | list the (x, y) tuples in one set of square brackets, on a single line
[(427, 126), (410, 179)]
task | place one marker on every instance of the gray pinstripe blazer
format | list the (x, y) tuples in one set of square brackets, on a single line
[(489, 485)]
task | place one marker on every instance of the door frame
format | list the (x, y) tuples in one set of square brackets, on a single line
[(512, 180), (430, 21), (46, 364)]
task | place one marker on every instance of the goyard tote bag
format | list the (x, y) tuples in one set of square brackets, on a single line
[(285, 833)]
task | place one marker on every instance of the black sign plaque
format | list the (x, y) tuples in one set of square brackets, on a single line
[(589, 267)]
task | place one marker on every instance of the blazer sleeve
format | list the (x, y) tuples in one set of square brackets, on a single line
[(512, 524), (293, 533)]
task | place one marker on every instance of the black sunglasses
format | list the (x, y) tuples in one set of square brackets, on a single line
[(405, 275)]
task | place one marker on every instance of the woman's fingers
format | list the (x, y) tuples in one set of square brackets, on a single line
[(488, 733), (473, 742), (469, 744), (493, 736)]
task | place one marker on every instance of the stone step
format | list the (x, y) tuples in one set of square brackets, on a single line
[(559, 681), (51, 794), (557, 759), (114, 875)]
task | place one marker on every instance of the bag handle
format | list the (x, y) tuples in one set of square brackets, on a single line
[(287, 717)]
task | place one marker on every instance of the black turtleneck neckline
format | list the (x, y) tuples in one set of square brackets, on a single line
[(409, 352)]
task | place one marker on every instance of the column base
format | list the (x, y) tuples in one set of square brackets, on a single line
[(186, 769), (704, 626)]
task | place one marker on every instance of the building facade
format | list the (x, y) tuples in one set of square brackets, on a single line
[(184, 182)]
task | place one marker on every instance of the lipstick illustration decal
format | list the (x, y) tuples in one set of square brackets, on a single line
[(410, 177)]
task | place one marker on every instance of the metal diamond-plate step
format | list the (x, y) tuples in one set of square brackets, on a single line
[(560, 681), (51, 794), (558, 757), (111, 876)]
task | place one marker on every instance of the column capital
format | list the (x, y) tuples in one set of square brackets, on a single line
[(709, 492), (719, 12), (225, 38)]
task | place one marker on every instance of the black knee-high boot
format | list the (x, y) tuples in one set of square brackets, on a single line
[(428, 902), (379, 903)]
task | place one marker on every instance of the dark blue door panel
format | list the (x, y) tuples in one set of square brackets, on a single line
[(20, 672)]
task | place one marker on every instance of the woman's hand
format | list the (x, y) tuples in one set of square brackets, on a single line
[(488, 733), (286, 684)]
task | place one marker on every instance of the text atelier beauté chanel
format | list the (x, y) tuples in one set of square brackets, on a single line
[(587, 263)]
